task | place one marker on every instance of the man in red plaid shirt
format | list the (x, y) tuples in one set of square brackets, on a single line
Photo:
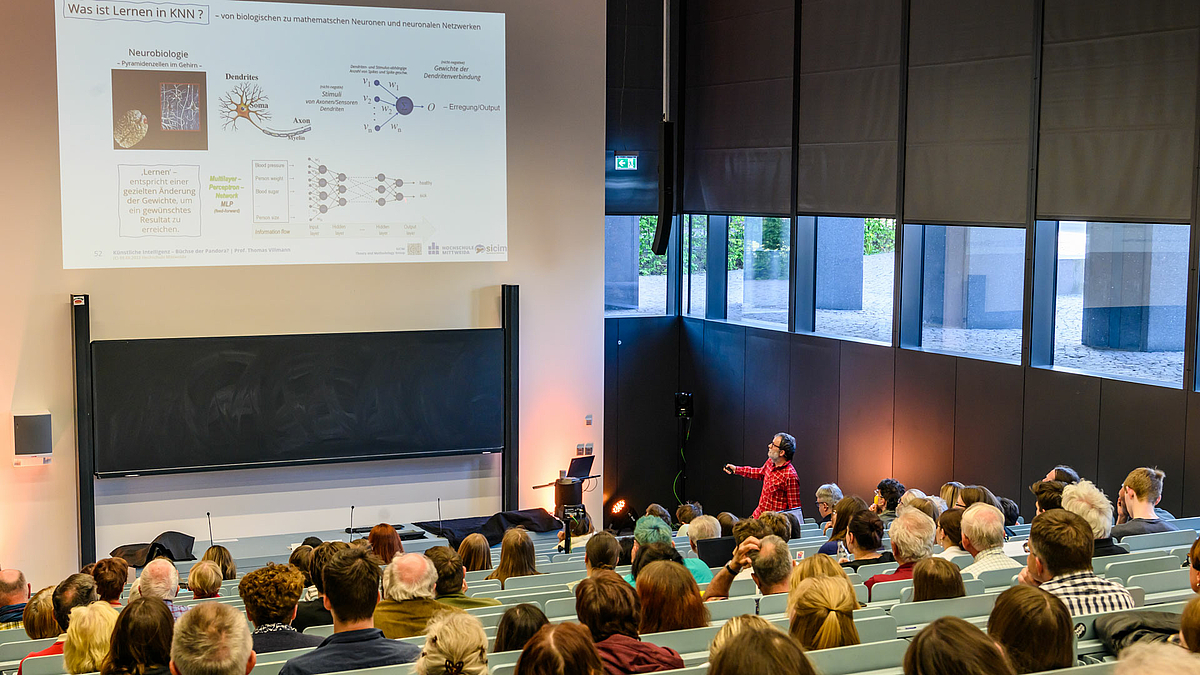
[(781, 486)]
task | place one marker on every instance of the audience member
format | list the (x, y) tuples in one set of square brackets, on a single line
[(659, 512), (271, 595), (627, 544), (651, 530), (517, 558), (38, 618), (204, 580), (314, 612), (455, 644), (351, 592), (1034, 629), (15, 592), (221, 555), (652, 553), (213, 639), (1063, 474), (887, 498), (1012, 513), (949, 534), (1157, 658), (951, 646), (111, 574), (475, 552), (581, 530), (1136, 500), (1047, 494), (1086, 500), (819, 565), (1193, 560), (77, 590), (560, 649), (603, 551), (949, 493), (769, 562), (922, 504), (843, 511), (1060, 563), (88, 637), (301, 559), (451, 588), (973, 494), (141, 640), (727, 521), (909, 495), (160, 580), (761, 652), (685, 513), (409, 596), (822, 613), (736, 626), (702, 527), (863, 539), (912, 540), (670, 599), (610, 608), (517, 626), (314, 542), (87, 569), (983, 538), (777, 523), (384, 541), (936, 579), (1189, 625), (828, 495)]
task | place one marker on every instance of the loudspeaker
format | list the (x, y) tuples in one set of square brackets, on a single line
[(666, 187), (31, 434)]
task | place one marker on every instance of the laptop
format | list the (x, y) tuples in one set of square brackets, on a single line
[(581, 467)]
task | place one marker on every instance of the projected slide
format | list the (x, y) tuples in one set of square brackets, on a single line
[(258, 133)]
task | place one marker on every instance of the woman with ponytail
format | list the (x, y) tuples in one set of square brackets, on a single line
[(822, 613), (455, 644)]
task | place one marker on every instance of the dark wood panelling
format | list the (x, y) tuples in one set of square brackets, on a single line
[(717, 433), (766, 400), (923, 445), (691, 352), (1191, 464), (1062, 424), (988, 400), (814, 412), (866, 393), (612, 395), (1142, 425)]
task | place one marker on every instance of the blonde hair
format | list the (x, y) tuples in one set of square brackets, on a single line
[(1087, 501), (822, 611), (1146, 483), (819, 565), (89, 634), (455, 644), (38, 617), (735, 627), (204, 579), (949, 493)]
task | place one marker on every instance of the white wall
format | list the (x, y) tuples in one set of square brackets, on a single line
[(556, 243)]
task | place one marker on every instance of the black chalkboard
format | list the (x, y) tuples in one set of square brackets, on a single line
[(197, 404)]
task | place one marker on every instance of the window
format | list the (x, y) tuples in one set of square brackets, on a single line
[(759, 266), (1119, 299), (695, 268), (972, 290), (635, 280), (855, 277)]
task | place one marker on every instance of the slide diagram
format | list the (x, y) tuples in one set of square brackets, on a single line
[(393, 105), (329, 189), (158, 110), (246, 101)]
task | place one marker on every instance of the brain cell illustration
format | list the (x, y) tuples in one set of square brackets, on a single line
[(130, 128), (180, 106), (247, 102)]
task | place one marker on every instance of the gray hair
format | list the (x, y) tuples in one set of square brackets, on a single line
[(773, 566), (1087, 501), (983, 524), (829, 493), (911, 494), (703, 527), (159, 579), (912, 536), (454, 637), (1155, 658), (211, 639), (401, 585)]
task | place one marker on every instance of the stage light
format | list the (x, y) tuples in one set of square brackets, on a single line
[(622, 516), (618, 507)]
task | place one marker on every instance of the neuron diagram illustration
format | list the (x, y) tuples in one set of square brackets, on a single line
[(247, 102)]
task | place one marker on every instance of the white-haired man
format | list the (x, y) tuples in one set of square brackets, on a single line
[(160, 580), (703, 527), (828, 495), (983, 537), (15, 591), (409, 596), (1089, 502), (212, 639), (912, 535)]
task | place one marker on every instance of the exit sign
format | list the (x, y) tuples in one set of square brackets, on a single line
[(627, 162)]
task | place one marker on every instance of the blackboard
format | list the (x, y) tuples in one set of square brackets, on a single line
[(197, 404)]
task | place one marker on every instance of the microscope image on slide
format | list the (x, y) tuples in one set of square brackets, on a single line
[(158, 110)]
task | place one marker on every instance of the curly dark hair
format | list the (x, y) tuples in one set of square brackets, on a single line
[(892, 490), (271, 593)]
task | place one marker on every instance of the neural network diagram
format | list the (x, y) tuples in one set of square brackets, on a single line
[(247, 102), (393, 105), (180, 106), (329, 189)]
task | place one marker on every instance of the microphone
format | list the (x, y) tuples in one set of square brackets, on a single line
[(442, 531), (351, 530), (210, 537)]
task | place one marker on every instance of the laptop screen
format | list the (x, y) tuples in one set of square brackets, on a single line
[(581, 466)]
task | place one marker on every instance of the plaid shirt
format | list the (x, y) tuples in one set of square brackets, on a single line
[(781, 486), (1085, 593), (991, 559)]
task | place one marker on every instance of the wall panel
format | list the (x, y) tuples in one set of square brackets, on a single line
[(766, 400), (923, 450), (988, 400), (814, 377), (1062, 426), (865, 398)]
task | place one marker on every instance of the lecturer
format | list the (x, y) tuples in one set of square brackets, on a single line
[(781, 486)]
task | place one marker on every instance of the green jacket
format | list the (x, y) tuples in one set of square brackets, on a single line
[(407, 618), (461, 600)]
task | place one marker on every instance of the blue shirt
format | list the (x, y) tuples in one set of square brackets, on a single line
[(352, 650), (700, 571)]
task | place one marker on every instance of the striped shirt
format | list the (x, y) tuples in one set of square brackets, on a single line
[(991, 559), (1085, 593)]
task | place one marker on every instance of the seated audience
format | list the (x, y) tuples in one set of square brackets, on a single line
[(863, 539), (761, 652), (1189, 624), (652, 553), (912, 540), (922, 504), (983, 537), (1088, 502), (88, 637), (602, 553), (670, 599), (951, 646), (769, 562), (560, 649), (819, 565), (212, 639), (777, 523), (973, 494), (517, 557), (409, 596), (38, 617), (475, 552), (518, 624), (822, 613), (384, 541), (224, 559), (581, 531), (455, 644), (727, 521), (610, 609), (949, 493), (734, 627), (828, 495), (141, 640), (314, 612), (949, 534), (651, 530), (271, 595), (843, 511), (887, 498), (15, 592), (110, 575), (451, 587), (685, 513), (1136, 502), (1063, 474), (1034, 629), (909, 495), (1047, 494), (702, 527), (351, 591), (160, 580), (1156, 658), (301, 559), (1060, 563), (936, 579), (1012, 513), (659, 512), (204, 580), (77, 590)]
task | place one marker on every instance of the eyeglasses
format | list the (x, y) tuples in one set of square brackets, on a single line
[(772, 446)]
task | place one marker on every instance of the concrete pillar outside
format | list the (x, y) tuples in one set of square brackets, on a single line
[(839, 263), (621, 241)]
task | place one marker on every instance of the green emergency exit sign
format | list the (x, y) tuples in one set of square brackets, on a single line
[(626, 162)]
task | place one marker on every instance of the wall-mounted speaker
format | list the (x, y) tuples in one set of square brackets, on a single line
[(666, 187), (32, 438)]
